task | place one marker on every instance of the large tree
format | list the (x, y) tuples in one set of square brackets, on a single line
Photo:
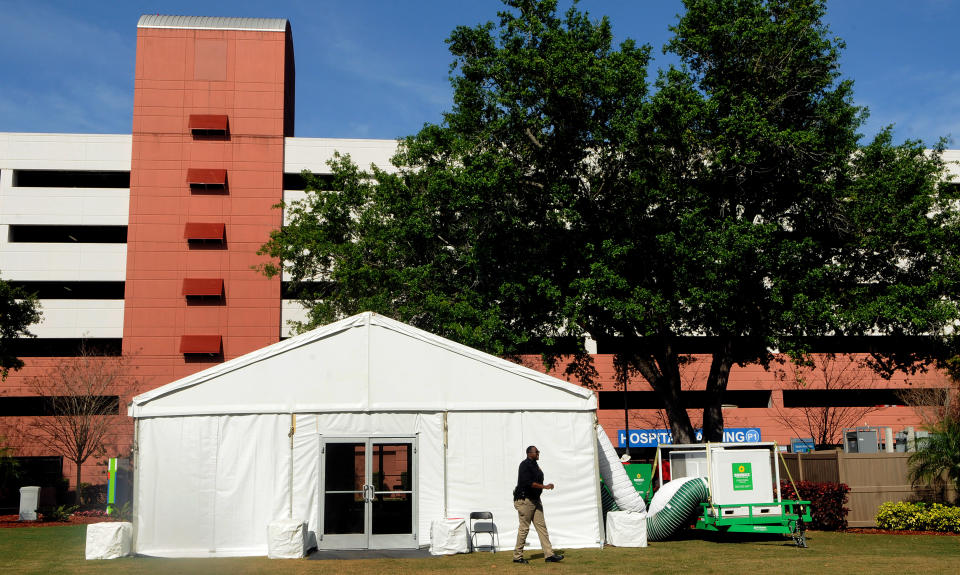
[(18, 310), (562, 196), (481, 230), (769, 223)]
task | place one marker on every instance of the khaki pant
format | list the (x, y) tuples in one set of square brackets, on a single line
[(530, 511)]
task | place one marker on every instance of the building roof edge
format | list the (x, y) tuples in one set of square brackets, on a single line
[(212, 23)]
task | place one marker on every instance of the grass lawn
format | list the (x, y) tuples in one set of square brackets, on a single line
[(60, 550)]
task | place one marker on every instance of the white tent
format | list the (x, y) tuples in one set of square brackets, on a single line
[(368, 430)]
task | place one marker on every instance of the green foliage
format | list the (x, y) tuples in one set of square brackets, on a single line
[(59, 513), (123, 512), (18, 310), (938, 455), (899, 516), (918, 517), (477, 233), (562, 195), (9, 466), (828, 511)]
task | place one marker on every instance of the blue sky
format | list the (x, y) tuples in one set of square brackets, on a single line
[(378, 68)]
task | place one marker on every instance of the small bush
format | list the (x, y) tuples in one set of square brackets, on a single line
[(918, 517), (58, 513), (899, 516), (827, 500), (124, 512)]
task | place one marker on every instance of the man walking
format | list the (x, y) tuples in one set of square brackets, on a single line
[(526, 500)]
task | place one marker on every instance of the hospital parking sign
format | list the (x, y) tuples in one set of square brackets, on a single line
[(655, 437)]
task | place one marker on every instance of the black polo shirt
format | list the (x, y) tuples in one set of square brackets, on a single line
[(528, 474)]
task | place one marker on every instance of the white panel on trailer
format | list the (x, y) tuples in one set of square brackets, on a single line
[(741, 476)]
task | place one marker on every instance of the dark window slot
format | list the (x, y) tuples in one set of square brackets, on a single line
[(304, 290), (70, 179), (325, 182), (807, 398), (845, 344), (204, 244), (64, 347), (68, 234), (56, 405), (201, 188), (73, 290), (693, 399)]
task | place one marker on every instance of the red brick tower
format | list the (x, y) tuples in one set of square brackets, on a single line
[(213, 101)]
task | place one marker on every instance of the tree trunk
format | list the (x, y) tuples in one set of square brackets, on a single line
[(666, 382), (79, 497), (720, 367), (680, 425)]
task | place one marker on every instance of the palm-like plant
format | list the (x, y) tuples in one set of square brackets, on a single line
[(938, 454)]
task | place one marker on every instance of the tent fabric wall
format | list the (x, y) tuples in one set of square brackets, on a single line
[(213, 483), (216, 463), (208, 482), (485, 451)]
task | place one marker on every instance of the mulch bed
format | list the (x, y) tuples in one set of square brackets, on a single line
[(14, 521), (870, 531)]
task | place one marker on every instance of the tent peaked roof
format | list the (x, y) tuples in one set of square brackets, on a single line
[(364, 363)]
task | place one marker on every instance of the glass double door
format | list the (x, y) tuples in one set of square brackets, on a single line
[(367, 493)]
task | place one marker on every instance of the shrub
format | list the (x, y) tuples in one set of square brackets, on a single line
[(918, 517), (938, 517), (124, 512), (58, 513), (827, 500), (898, 516)]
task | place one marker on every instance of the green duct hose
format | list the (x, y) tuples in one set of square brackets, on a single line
[(676, 514)]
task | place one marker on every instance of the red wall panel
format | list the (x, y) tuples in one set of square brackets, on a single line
[(182, 72)]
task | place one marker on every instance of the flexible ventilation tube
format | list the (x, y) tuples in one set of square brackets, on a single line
[(671, 507), (615, 476)]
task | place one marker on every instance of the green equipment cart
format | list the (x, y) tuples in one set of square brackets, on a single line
[(743, 488)]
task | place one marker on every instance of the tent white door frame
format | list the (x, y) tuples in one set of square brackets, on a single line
[(368, 494)]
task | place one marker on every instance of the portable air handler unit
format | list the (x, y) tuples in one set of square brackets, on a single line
[(744, 488)]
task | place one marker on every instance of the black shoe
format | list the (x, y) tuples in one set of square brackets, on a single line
[(520, 560), (554, 559)]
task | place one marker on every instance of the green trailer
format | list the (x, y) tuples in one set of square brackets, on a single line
[(790, 520), (743, 488)]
